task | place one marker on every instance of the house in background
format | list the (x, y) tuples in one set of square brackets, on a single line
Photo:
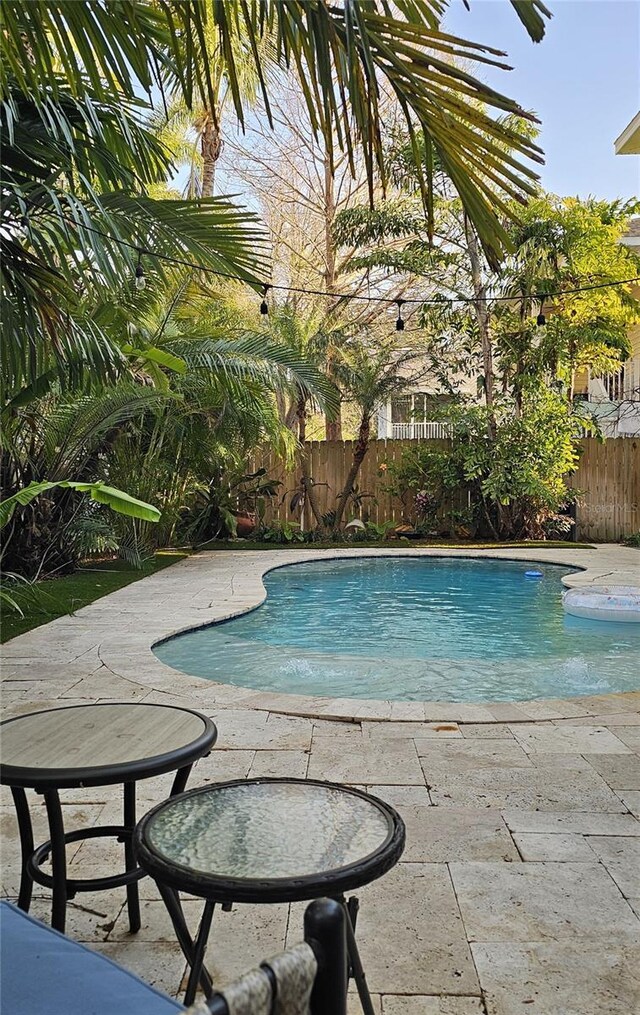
[(615, 398), (629, 141), (410, 416), (413, 415)]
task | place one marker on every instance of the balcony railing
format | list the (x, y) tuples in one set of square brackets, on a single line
[(419, 431), (614, 383)]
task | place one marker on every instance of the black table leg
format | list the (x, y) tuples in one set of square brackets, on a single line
[(190, 949), (58, 859), (133, 896), (355, 963), (200, 946), (180, 780), (26, 845)]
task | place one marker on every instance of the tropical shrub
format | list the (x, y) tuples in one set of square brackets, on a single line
[(281, 532), (511, 468)]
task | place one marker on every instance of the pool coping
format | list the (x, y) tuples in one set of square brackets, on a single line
[(244, 571)]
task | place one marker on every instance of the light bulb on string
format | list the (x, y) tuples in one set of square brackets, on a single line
[(399, 321), (140, 279), (541, 320), (264, 306)]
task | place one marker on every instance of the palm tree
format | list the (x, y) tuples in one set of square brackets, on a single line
[(230, 380), (73, 222), (193, 131), (201, 390), (368, 377)]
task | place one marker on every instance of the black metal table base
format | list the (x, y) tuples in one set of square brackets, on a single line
[(194, 948), (64, 888)]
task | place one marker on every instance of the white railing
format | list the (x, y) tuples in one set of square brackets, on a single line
[(614, 384), (419, 431), (622, 386)]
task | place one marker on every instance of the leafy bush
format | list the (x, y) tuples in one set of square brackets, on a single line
[(509, 467), (281, 532), (632, 540)]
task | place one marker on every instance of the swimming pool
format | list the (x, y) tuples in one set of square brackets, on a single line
[(413, 629)]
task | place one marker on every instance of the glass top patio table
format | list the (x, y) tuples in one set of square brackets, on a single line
[(269, 840)]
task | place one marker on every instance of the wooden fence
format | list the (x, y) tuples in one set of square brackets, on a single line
[(608, 477), (609, 480)]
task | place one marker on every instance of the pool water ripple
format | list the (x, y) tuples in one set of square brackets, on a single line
[(413, 629)]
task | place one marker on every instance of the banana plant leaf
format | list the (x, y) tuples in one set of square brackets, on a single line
[(117, 500)]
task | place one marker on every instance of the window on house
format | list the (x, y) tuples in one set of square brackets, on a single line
[(419, 407), (401, 409)]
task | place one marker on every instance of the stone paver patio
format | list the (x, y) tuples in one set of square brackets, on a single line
[(519, 890)]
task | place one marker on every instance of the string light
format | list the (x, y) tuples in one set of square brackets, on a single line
[(399, 321), (418, 300), (264, 306), (140, 279), (541, 320)]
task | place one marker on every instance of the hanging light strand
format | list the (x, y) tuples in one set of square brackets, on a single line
[(399, 320), (417, 300), (541, 320), (139, 273)]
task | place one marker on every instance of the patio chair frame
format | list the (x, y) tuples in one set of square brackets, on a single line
[(325, 931)]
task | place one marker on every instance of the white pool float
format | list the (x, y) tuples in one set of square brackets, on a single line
[(619, 603)]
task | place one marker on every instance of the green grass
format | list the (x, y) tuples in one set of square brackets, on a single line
[(56, 597), (390, 544)]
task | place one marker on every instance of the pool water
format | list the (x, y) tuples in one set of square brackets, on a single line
[(413, 629)]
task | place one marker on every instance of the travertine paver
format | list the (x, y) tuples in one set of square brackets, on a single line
[(459, 757), (577, 820), (411, 730), (429, 955), (487, 731), (557, 846), (620, 771), (528, 788), (631, 799), (541, 901), (621, 857), (568, 978), (629, 735), (568, 740), (158, 963), (396, 764), (518, 889), (440, 835), (421, 1005)]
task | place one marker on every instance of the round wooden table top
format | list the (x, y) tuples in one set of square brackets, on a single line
[(93, 745)]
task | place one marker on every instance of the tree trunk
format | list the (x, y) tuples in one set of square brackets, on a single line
[(307, 479), (333, 426), (359, 452), (282, 408), (481, 311), (301, 415), (210, 149)]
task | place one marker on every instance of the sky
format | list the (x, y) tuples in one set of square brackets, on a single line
[(582, 81)]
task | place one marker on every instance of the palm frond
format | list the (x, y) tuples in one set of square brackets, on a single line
[(123, 44), (341, 54), (258, 358)]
